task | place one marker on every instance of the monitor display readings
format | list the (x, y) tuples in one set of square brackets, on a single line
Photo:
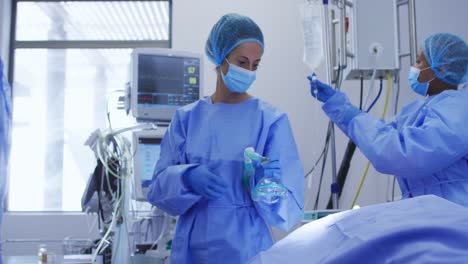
[(164, 80), (146, 145), (148, 151)]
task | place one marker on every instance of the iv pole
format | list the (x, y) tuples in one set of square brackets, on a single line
[(329, 69)]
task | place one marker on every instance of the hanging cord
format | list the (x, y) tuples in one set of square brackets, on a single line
[(324, 162), (115, 155), (318, 160), (377, 97), (107, 106), (362, 92), (371, 87), (387, 96)]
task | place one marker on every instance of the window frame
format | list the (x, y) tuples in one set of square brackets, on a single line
[(72, 44), (77, 44)]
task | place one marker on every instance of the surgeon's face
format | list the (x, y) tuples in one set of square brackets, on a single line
[(421, 63), (247, 55)]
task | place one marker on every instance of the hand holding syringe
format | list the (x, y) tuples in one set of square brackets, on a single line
[(319, 90)]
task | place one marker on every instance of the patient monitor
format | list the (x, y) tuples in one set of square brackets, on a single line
[(162, 80)]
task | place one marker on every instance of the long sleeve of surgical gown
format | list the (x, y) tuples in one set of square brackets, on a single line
[(216, 135), (425, 146), (286, 212), (168, 191)]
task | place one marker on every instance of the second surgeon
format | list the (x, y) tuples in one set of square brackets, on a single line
[(426, 145)]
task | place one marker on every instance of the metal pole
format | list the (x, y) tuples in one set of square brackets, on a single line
[(343, 62), (402, 2), (328, 52), (412, 30), (332, 46), (330, 69)]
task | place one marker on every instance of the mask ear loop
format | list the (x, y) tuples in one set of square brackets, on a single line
[(428, 82), (221, 70)]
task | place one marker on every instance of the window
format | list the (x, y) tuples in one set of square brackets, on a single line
[(68, 60)]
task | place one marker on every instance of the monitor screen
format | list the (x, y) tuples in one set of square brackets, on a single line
[(148, 151), (163, 81), (146, 148)]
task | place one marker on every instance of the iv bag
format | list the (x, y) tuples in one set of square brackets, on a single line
[(311, 17), (311, 12)]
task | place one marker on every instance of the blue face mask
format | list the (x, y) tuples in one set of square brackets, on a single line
[(418, 87), (238, 79)]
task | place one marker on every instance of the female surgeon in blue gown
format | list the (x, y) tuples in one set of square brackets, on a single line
[(426, 145), (199, 173)]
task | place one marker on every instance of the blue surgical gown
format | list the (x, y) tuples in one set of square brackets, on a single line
[(425, 146), (425, 229), (232, 228)]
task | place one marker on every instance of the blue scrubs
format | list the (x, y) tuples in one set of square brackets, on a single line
[(425, 229), (425, 146), (232, 228)]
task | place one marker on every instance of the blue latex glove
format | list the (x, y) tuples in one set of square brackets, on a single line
[(271, 169), (324, 92), (203, 182)]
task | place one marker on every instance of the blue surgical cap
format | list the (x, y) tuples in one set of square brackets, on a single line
[(230, 31), (447, 55)]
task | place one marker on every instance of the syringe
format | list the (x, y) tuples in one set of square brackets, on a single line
[(314, 84)]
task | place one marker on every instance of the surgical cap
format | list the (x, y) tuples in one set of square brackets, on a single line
[(230, 31), (447, 55)]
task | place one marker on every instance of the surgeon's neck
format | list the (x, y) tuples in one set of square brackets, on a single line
[(224, 95), (437, 86)]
